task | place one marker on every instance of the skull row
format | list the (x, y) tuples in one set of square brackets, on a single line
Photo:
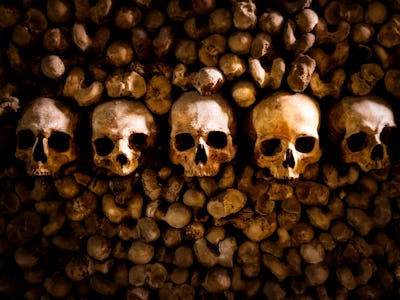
[(283, 127)]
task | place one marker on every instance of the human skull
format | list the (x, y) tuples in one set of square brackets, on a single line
[(45, 136), (284, 129), (121, 130), (202, 131), (361, 127)]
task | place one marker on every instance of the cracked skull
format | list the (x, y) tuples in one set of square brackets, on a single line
[(45, 136), (362, 127), (121, 130), (284, 129), (202, 131)]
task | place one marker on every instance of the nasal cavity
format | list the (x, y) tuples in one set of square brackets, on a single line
[(377, 152), (38, 150), (121, 158), (289, 159), (201, 156)]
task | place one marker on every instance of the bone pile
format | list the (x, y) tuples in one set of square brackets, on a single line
[(204, 149)]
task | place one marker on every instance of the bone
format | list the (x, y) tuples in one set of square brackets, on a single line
[(390, 79), (79, 208), (26, 33), (327, 62), (386, 35), (177, 215), (57, 285), (324, 36), (84, 42), (217, 280), (376, 13), (23, 227), (11, 203), (74, 88), (300, 73), (195, 29), (273, 290), (220, 20), (117, 213), (316, 274), (232, 66), (125, 84), (56, 218), (264, 78), (227, 248), (240, 284), (67, 187), (333, 88), (52, 66), (249, 257), (127, 17), (311, 193), (290, 213), (185, 51), (148, 229), (255, 227), (119, 53), (362, 83), (102, 285), (11, 15), (208, 80), (211, 48), (244, 16), (226, 203), (239, 42)]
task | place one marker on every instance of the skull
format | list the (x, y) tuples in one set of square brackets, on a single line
[(284, 129), (202, 131), (121, 130), (45, 136), (361, 127)]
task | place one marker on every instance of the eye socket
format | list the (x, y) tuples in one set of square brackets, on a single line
[(184, 141), (103, 146), (59, 141), (217, 139), (357, 141), (305, 144), (25, 139), (388, 134), (271, 147), (138, 140)]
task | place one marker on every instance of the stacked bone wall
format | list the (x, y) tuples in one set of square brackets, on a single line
[(88, 233)]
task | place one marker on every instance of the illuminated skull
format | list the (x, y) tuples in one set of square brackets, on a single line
[(284, 129), (121, 130), (202, 131), (361, 127), (45, 136)]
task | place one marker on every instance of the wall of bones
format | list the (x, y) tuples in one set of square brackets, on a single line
[(204, 149)]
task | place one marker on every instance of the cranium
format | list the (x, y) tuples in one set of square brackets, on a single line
[(202, 131), (121, 130), (45, 136), (284, 129), (361, 127)]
